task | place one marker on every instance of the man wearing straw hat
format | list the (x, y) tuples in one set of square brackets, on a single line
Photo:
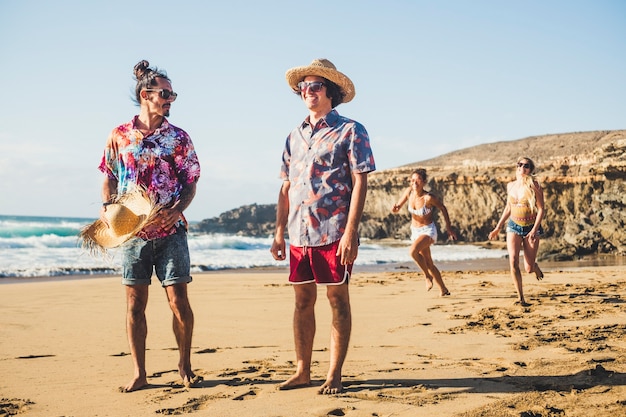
[(151, 170), (325, 164)]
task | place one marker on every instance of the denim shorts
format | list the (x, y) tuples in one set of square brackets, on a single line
[(168, 256), (512, 227)]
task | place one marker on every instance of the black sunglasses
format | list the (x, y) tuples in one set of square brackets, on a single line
[(163, 93), (526, 166), (313, 86)]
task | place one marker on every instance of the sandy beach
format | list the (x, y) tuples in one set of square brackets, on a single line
[(63, 347)]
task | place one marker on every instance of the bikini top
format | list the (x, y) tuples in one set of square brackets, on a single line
[(519, 201), (422, 211), (521, 212)]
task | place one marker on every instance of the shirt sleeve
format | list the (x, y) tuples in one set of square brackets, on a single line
[(284, 169), (108, 161), (361, 155), (187, 163)]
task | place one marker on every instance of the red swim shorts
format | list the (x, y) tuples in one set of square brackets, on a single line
[(318, 264)]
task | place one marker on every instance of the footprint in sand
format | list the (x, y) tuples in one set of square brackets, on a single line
[(245, 396), (13, 406)]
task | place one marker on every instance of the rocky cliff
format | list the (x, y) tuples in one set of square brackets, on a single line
[(582, 175)]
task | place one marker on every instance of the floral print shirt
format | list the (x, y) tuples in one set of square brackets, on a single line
[(162, 162), (318, 162)]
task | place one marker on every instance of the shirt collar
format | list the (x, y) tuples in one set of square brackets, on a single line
[(330, 119), (164, 124)]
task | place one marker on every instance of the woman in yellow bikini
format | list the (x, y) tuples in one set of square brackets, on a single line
[(524, 211), (423, 229)]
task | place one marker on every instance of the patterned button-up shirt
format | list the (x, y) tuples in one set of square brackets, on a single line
[(162, 163), (318, 162)]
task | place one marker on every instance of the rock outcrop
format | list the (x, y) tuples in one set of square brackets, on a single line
[(582, 175), (258, 220)]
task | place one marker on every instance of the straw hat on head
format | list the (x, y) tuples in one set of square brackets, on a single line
[(125, 217), (322, 68)]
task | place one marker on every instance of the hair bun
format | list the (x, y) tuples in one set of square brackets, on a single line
[(141, 69)]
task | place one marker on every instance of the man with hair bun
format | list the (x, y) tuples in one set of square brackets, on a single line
[(150, 154)]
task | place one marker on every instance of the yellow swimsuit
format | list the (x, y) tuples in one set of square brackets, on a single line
[(521, 213)]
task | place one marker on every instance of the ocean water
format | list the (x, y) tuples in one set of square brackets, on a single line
[(49, 246)]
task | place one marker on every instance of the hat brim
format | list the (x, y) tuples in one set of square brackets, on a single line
[(99, 233), (97, 237), (297, 74)]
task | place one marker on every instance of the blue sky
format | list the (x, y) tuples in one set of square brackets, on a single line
[(430, 76)]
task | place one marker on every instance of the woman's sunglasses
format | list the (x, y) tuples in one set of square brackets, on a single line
[(526, 166), (314, 86), (163, 93)]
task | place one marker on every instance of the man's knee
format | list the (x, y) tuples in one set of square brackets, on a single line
[(178, 300), (136, 313), (306, 295), (180, 306), (136, 300), (339, 303)]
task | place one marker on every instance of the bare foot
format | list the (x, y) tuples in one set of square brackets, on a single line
[(294, 382), (189, 378), (429, 283), (445, 293), (522, 303), (538, 273), (193, 382), (135, 385), (331, 387)]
